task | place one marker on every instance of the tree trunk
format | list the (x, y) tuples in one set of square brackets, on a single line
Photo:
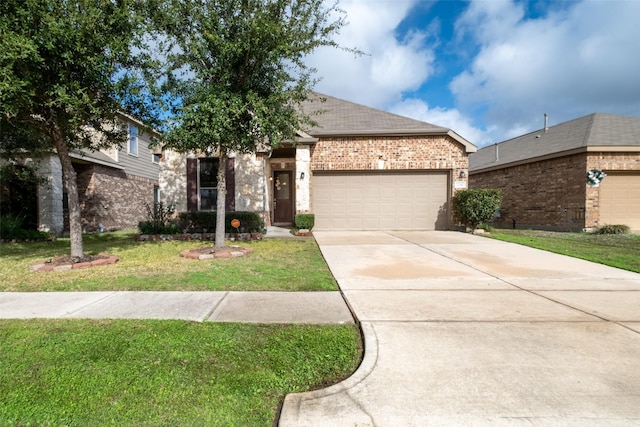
[(222, 198), (71, 185)]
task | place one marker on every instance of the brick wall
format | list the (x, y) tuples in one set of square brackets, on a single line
[(552, 194), (398, 153), (547, 194), (112, 198)]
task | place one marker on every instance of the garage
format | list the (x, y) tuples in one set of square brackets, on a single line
[(620, 199), (381, 200)]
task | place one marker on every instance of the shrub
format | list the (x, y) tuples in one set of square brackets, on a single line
[(473, 207), (613, 229), (201, 222), (486, 227), (306, 221), (159, 220), (11, 229)]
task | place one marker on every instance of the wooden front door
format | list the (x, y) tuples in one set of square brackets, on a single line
[(282, 196)]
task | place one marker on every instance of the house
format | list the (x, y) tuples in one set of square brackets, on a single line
[(114, 185), (358, 169), (543, 174)]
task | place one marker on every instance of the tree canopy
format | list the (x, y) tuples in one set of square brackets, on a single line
[(67, 68), (233, 75), (238, 70)]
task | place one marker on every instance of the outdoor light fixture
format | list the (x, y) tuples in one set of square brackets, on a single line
[(301, 175), (463, 175)]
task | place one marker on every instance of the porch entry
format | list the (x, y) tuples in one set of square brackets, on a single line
[(283, 196)]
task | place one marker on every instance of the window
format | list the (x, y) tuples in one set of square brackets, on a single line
[(208, 182), (155, 158), (156, 194), (133, 140)]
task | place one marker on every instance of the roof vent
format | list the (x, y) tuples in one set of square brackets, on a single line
[(546, 119)]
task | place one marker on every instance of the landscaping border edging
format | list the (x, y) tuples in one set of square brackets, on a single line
[(240, 237), (212, 252)]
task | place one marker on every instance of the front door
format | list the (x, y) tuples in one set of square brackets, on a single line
[(283, 197)]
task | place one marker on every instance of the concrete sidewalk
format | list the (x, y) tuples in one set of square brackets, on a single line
[(252, 307), (465, 330)]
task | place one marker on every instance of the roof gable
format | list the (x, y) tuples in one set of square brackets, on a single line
[(604, 131), (337, 117)]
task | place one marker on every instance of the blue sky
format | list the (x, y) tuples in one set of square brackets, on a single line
[(488, 69)]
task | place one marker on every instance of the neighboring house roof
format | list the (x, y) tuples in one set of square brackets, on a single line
[(96, 157), (337, 117), (594, 132)]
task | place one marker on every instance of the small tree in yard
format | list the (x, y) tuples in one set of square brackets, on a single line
[(473, 207), (238, 74)]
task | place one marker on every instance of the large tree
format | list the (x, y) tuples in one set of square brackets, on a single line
[(239, 74), (67, 68)]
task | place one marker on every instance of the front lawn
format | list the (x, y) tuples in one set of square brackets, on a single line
[(173, 373), (616, 250), (275, 265)]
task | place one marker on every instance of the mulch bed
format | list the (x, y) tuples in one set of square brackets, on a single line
[(67, 262)]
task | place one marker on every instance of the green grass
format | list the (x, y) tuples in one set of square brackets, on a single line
[(275, 265), (149, 373), (620, 250)]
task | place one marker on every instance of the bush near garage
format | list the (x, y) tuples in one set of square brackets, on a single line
[(473, 207), (305, 221)]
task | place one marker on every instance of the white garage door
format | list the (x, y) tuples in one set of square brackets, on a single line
[(620, 199), (380, 200)]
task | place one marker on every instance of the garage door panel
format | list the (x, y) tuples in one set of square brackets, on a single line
[(620, 199), (380, 200)]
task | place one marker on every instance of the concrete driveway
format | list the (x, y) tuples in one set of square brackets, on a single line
[(464, 330)]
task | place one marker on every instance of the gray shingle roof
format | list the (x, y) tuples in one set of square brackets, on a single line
[(337, 117), (96, 157), (594, 131)]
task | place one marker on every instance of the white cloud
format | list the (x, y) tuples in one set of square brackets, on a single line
[(390, 66), (573, 61), (448, 118)]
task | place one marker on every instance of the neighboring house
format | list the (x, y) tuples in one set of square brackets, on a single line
[(114, 185), (358, 169), (544, 174)]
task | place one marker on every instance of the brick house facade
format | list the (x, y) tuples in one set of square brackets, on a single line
[(114, 185), (543, 175), (113, 199), (422, 152), (353, 153)]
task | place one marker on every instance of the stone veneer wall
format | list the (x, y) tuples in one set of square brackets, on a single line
[(303, 190), (112, 198), (50, 212), (250, 183), (552, 194), (173, 179)]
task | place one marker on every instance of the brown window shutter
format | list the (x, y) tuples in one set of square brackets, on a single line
[(230, 173), (192, 185)]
